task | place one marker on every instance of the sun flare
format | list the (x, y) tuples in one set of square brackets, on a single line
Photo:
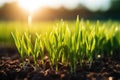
[(30, 5)]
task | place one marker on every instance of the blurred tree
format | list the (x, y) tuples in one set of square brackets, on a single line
[(115, 5), (11, 11)]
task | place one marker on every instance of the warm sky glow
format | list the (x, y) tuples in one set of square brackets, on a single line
[(93, 5), (29, 5)]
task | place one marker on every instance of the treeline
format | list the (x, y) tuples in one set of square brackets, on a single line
[(11, 11)]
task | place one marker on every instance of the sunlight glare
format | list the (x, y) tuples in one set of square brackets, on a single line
[(29, 20), (30, 5)]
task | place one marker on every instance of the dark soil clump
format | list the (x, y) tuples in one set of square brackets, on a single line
[(102, 69)]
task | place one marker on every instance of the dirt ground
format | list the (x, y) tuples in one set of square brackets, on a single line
[(102, 69)]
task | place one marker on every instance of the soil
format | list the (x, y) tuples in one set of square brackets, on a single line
[(102, 69)]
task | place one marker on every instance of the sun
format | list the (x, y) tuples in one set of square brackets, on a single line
[(30, 5)]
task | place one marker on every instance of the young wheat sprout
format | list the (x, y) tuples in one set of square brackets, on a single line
[(70, 45)]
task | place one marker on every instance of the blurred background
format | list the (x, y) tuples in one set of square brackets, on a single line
[(39, 15), (60, 9)]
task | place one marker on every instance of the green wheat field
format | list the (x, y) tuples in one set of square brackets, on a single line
[(67, 42), (42, 27)]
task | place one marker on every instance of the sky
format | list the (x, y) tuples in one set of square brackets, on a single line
[(93, 5)]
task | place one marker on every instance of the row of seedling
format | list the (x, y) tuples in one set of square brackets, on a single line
[(69, 46)]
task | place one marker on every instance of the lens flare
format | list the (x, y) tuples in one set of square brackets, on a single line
[(29, 5)]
